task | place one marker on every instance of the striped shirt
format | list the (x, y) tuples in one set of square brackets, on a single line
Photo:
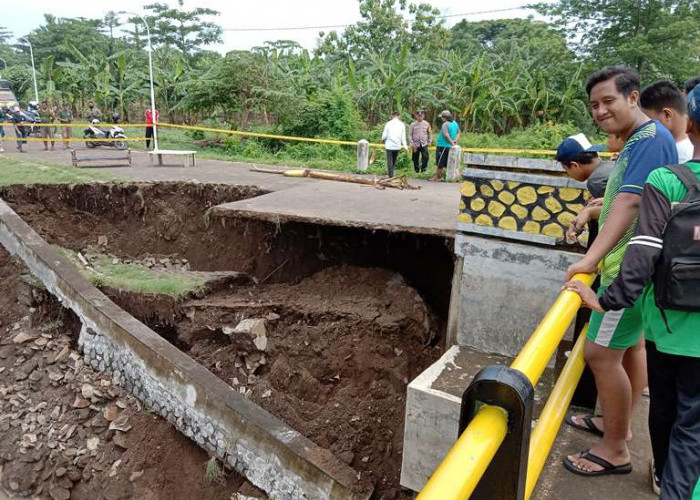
[(650, 146)]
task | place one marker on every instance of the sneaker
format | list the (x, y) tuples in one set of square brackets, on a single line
[(655, 480)]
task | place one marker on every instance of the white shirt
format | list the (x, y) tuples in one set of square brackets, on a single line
[(685, 150), (394, 135)]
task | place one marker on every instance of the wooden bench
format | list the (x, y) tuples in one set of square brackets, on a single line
[(101, 157), (188, 156)]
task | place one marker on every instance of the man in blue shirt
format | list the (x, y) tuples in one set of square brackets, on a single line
[(447, 137), (614, 348)]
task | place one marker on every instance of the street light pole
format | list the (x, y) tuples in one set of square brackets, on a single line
[(31, 54), (150, 73)]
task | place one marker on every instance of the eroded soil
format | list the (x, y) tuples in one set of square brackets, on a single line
[(351, 316)]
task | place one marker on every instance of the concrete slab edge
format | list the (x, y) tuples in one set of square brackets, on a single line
[(514, 162), (274, 457), (542, 180), (231, 210), (540, 239)]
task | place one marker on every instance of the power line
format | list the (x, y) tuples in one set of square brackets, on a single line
[(335, 26)]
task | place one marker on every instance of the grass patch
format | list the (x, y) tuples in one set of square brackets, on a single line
[(213, 474), (15, 170), (133, 277)]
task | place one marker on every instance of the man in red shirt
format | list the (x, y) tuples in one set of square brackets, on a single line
[(149, 126)]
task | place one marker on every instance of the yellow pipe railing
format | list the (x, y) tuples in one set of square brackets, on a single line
[(542, 344), (456, 478), (552, 416), (466, 462)]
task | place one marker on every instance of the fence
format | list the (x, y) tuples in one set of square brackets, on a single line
[(496, 457)]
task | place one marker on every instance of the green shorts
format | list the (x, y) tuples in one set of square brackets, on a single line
[(616, 329)]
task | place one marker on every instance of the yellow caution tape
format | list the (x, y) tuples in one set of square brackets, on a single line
[(547, 152), (265, 136)]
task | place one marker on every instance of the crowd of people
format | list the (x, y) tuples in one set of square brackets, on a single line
[(419, 140), (644, 330), (63, 117)]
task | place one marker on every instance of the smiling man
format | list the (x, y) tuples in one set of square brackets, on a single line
[(614, 348)]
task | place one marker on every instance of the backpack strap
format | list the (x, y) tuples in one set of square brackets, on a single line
[(686, 176)]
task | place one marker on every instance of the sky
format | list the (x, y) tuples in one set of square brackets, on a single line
[(22, 17)]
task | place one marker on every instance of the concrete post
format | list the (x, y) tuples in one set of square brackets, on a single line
[(362, 155), (453, 160)]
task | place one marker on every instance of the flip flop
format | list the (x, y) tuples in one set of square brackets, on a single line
[(589, 424), (607, 467)]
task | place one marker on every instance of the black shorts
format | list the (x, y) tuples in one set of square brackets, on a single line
[(441, 154)]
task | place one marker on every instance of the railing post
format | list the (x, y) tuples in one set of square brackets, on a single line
[(362, 155), (453, 160), (510, 389)]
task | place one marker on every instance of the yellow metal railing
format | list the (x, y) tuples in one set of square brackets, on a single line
[(461, 470), (553, 414)]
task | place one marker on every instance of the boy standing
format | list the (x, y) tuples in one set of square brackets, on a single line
[(664, 102), (581, 161), (614, 349), (671, 312)]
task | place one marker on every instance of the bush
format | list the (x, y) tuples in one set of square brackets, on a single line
[(538, 136), (331, 114)]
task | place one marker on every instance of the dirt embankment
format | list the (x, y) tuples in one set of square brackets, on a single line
[(350, 315), (67, 432), (341, 347), (172, 220)]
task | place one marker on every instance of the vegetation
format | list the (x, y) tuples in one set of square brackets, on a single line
[(213, 472), (499, 77), (133, 277), (18, 170)]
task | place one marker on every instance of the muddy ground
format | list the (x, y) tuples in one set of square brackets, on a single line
[(350, 316), (67, 432)]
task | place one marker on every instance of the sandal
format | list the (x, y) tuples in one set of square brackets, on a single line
[(589, 425), (607, 467)]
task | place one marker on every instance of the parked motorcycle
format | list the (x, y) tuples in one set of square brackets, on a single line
[(31, 116), (94, 136)]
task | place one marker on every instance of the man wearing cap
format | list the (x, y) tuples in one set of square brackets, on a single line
[(394, 139), (448, 137), (419, 138), (580, 160)]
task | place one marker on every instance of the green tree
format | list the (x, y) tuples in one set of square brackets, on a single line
[(55, 35), (183, 29), (659, 38)]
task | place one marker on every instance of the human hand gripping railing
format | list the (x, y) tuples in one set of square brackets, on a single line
[(462, 468)]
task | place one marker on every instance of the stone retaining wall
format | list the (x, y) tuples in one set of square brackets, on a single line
[(514, 202), (271, 455)]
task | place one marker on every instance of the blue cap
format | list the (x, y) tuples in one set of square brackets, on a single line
[(572, 146), (694, 104)]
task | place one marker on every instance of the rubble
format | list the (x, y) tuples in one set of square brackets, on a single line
[(251, 330)]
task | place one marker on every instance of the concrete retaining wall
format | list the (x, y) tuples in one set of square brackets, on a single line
[(271, 455), (506, 289)]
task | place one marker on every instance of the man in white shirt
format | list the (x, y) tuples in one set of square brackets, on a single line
[(664, 102), (394, 139)]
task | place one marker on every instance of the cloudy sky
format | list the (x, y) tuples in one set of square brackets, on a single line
[(22, 17)]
